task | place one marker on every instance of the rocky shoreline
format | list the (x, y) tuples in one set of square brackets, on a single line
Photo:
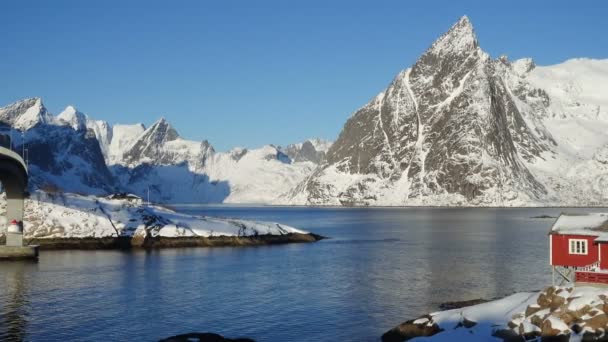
[(135, 242), (554, 314)]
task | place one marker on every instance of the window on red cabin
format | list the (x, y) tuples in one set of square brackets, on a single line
[(578, 246)]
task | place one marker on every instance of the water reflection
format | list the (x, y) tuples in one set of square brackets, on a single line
[(15, 301), (380, 267)]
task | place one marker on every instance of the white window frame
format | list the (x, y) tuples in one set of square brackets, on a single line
[(578, 246)]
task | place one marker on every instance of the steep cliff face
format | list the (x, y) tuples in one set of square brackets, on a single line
[(458, 127)]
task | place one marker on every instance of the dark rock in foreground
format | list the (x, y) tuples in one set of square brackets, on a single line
[(203, 337)]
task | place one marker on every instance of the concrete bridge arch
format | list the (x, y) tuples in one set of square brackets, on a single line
[(14, 178)]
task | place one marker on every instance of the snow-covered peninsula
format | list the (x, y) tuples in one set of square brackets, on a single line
[(64, 220)]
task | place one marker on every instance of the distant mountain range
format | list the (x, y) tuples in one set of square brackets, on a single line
[(74, 153), (456, 128)]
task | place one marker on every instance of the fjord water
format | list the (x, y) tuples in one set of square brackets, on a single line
[(380, 267)]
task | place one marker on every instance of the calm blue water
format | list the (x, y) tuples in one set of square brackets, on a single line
[(381, 267)]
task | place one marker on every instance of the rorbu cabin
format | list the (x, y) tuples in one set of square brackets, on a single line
[(578, 248)]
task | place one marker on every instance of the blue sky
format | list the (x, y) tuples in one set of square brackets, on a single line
[(248, 73)]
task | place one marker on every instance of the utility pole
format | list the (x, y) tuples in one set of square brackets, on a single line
[(27, 159), (148, 195), (23, 144)]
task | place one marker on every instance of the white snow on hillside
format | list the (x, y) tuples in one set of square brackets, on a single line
[(122, 137), (577, 87), (74, 216)]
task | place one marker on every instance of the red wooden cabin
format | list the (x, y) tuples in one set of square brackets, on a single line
[(578, 244)]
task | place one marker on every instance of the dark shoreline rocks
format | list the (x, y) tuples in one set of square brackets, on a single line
[(127, 242), (204, 337), (543, 217), (409, 329)]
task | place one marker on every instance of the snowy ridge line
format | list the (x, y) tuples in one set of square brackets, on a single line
[(74, 153)]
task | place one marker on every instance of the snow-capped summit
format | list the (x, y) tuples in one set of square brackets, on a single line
[(72, 117), (149, 146), (25, 114)]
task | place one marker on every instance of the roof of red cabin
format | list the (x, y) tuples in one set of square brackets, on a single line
[(592, 224)]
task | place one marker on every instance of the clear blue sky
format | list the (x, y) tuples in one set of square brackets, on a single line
[(248, 73)]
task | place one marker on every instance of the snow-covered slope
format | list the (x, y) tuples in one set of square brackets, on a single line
[(178, 170), (58, 215), (461, 128)]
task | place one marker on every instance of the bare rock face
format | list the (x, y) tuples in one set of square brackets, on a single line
[(448, 126), (150, 145)]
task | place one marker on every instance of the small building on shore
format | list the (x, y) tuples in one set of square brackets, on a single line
[(578, 248)]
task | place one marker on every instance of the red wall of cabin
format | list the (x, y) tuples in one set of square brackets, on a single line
[(561, 256), (604, 255)]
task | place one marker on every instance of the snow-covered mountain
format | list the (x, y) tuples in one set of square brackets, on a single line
[(179, 170), (74, 153), (461, 128), (456, 128), (61, 152)]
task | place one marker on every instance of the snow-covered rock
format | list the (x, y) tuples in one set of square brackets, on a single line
[(312, 150), (575, 313), (73, 118), (25, 114)]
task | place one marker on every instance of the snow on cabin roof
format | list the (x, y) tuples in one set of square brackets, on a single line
[(595, 224)]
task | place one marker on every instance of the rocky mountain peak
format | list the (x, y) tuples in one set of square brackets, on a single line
[(459, 38), (161, 131), (149, 146), (72, 117), (25, 114), (448, 126), (206, 147)]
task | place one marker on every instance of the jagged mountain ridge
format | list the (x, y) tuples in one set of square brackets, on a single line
[(457, 128), (74, 153)]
